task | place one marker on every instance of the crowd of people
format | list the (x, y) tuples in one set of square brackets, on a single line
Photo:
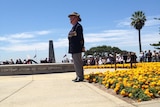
[(111, 59), (128, 57), (146, 56), (18, 61), (149, 56)]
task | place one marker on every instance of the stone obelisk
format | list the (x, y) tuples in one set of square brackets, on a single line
[(51, 52)]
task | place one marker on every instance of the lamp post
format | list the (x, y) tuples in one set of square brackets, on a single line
[(115, 54), (158, 44)]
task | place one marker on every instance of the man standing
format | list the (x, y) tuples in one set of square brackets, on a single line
[(76, 45)]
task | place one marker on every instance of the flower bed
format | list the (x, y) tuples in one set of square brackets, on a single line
[(141, 83), (110, 66)]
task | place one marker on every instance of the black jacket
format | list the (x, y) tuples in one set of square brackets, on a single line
[(76, 40)]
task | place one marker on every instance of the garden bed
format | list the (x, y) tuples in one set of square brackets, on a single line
[(138, 84)]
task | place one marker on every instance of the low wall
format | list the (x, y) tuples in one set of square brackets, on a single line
[(23, 69)]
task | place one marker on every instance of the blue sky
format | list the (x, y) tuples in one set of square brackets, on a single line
[(26, 26)]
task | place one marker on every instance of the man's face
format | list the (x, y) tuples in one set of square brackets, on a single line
[(73, 19)]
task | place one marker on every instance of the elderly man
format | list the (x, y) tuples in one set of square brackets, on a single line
[(76, 45)]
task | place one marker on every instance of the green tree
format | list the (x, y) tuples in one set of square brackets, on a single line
[(138, 21), (102, 50), (156, 45)]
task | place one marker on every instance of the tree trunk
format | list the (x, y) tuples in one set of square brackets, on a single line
[(139, 34)]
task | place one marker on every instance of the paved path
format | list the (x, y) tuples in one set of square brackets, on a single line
[(57, 90)]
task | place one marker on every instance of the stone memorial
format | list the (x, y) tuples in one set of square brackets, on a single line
[(51, 52)]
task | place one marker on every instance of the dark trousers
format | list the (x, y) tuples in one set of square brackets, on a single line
[(78, 65)]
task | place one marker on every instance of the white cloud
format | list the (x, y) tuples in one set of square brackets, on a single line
[(24, 41), (42, 46), (44, 32), (62, 42), (21, 36), (26, 47), (124, 39), (3, 38), (123, 22), (109, 35)]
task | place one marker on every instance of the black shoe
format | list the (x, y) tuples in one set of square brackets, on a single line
[(78, 80), (74, 79)]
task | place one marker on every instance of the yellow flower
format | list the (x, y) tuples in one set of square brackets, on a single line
[(158, 83), (120, 79), (123, 93), (107, 85), (130, 95), (94, 79), (152, 84)]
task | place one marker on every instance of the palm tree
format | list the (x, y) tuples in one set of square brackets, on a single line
[(138, 21)]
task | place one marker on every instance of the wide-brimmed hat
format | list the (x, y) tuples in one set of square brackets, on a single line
[(75, 14)]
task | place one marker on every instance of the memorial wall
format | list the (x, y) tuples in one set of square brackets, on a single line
[(25, 69)]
